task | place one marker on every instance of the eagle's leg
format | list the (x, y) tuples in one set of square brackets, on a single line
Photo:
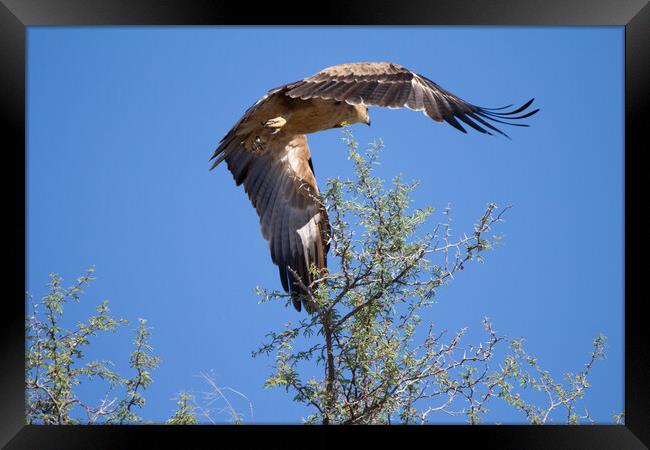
[(275, 124)]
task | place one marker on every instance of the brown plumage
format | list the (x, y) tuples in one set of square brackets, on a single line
[(267, 150)]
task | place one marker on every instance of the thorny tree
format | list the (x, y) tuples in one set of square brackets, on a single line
[(56, 366), (56, 363), (380, 362)]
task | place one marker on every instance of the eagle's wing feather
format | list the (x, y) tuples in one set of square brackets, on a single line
[(246, 126), (281, 186), (394, 86)]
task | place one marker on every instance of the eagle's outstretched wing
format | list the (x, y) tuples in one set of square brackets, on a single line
[(280, 183), (394, 86)]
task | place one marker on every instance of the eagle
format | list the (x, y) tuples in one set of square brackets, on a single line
[(267, 151)]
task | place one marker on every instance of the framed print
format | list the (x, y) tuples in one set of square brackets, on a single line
[(256, 218)]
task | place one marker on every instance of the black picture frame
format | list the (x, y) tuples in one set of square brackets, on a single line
[(16, 15)]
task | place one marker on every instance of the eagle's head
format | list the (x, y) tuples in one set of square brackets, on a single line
[(351, 114), (360, 114)]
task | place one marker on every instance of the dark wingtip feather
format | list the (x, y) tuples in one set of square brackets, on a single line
[(523, 116), (505, 118), (217, 162), (451, 120), (491, 111), (497, 109), (283, 278), (296, 302), (521, 108), (474, 125), (476, 117)]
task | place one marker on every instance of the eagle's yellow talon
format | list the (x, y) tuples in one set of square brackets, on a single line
[(276, 122)]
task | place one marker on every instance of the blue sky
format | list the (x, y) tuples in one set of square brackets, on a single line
[(122, 121)]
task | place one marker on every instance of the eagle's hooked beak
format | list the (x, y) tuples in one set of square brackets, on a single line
[(368, 121)]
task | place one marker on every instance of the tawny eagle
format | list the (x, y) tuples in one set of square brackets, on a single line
[(267, 150)]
